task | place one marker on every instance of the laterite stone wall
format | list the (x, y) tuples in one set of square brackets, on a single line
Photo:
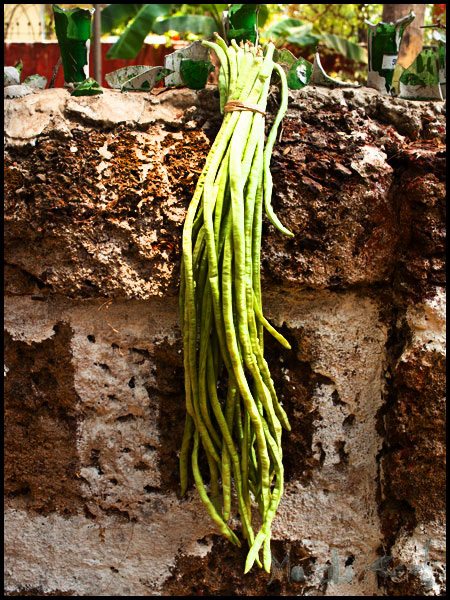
[(96, 194)]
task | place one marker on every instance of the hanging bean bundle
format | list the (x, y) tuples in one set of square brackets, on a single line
[(239, 430)]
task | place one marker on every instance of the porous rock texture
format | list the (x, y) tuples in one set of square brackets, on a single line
[(96, 194)]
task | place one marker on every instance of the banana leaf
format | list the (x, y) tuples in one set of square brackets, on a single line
[(213, 9), (293, 31), (344, 47), (263, 15), (130, 42), (297, 32), (278, 29), (302, 35), (199, 24), (116, 15)]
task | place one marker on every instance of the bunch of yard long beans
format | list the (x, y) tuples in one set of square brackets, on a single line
[(221, 314)]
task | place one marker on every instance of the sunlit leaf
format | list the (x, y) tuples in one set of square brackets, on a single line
[(211, 7), (302, 35), (263, 15), (215, 10), (130, 42), (116, 15), (280, 29), (344, 47), (198, 24)]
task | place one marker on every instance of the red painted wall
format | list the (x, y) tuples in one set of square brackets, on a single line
[(41, 57)]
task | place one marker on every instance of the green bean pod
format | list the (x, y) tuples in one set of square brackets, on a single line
[(233, 415)]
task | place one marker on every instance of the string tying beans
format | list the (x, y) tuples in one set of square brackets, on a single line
[(233, 414)]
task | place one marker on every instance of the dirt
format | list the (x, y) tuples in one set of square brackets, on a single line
[(41, 412), (415, 430), (221, 571)]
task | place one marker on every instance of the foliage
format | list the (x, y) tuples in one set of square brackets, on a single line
[(345, 20), (198, 24), (115, 16), (132, 39), (141, 19), (435, 13), (339, 28), (344, 47), (296, 32)]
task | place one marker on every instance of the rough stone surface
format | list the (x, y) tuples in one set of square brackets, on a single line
[(96, 193)]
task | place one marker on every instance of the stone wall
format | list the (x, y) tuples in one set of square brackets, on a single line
[(96, 193)]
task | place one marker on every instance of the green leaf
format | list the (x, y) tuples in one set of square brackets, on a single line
[(263, 15), (299, 33), (302, 35), (132, 39), (280, 29), (19, 66), (293, 31), (304, 40), (215, 10), (344, 47), (88, 87), (205, 26), (211, 7), (115, 15)]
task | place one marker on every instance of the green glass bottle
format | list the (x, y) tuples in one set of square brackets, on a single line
[(243, 23), (195, 72), (420, 81), (441, 50), (73, 30), (299, 75), (384, 41)]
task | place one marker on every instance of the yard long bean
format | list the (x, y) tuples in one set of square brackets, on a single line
[(233, 413)]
